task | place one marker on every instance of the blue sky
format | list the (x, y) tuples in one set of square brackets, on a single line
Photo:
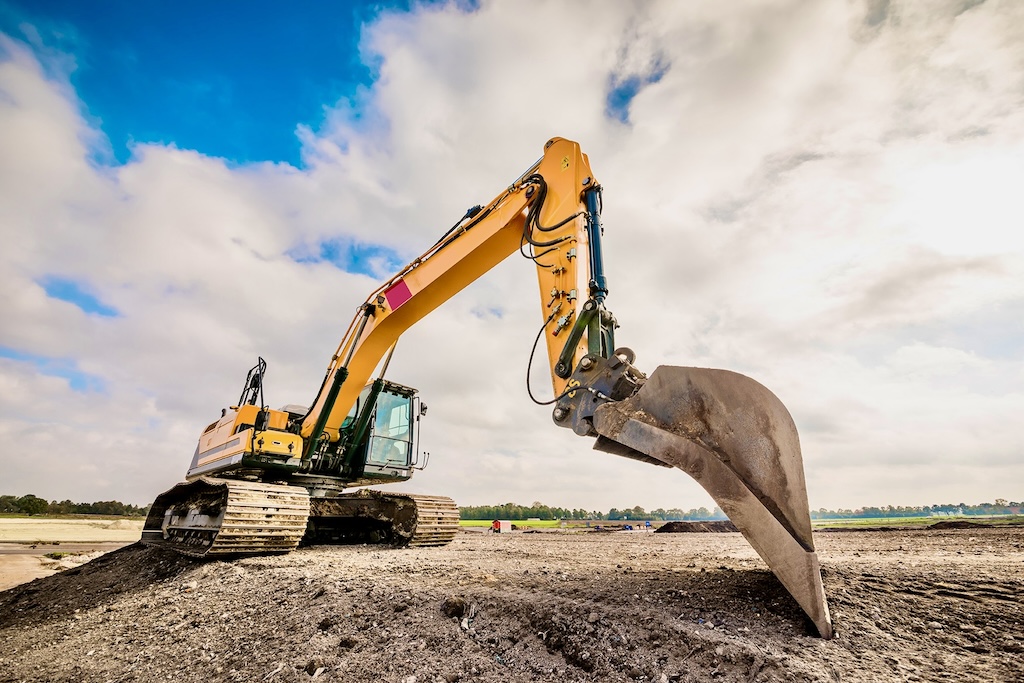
[(65, 368), (231, 80), (73, 292)]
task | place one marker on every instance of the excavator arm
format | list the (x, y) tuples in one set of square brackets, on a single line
[(725, 430), (551, 215)]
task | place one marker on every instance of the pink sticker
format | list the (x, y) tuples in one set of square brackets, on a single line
[(397, 294)]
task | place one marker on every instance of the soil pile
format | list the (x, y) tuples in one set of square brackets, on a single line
[(928, 606), (959, 525)]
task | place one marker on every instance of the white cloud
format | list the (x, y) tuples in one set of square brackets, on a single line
[(821, 196)]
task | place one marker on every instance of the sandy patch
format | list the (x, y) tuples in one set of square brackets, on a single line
[(22, 562), (42, 530)]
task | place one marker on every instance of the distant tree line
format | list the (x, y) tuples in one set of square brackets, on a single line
[(674, 514), (512, 511), (34, 505), (1001, 506)]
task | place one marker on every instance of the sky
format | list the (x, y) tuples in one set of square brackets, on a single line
[(823, 196)]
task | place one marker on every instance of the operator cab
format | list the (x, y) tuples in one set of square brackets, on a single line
[(381, 434), (391, 438)]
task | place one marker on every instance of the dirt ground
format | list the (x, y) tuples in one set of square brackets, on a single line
[(908, 606)]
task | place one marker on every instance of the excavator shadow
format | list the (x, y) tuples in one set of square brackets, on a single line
[(756, 593), (686, 622), (715, 598)]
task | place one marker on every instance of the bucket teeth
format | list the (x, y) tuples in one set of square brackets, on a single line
[(738, 441)]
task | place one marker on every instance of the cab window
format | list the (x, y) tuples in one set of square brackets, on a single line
[(391, 442)]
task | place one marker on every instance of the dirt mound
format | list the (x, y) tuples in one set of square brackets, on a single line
[(121, 524), (511, 608), (695, 527), (961, 524)]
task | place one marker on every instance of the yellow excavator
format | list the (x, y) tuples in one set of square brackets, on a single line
[(262, 480)]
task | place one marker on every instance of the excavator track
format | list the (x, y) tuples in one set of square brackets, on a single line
[(217, 517), (397, 519), (438, 521)]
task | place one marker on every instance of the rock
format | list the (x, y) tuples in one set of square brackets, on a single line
[(348, 642), (593, 617), (454, 606)]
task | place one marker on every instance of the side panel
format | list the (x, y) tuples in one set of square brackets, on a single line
[(220, 449)]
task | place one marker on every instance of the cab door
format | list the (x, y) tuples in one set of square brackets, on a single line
[(391, 440)]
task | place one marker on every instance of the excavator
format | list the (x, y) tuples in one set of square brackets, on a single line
[(263, 481)]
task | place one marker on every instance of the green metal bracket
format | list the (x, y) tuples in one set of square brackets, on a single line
[(599, 325), (321, 421), (362, 423)]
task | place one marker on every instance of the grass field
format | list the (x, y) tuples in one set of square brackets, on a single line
[(548, 523), (817, 524), (553, 523), (521, 523), (914, 521)]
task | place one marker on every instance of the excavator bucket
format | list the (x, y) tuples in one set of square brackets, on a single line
[(737, 439)]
